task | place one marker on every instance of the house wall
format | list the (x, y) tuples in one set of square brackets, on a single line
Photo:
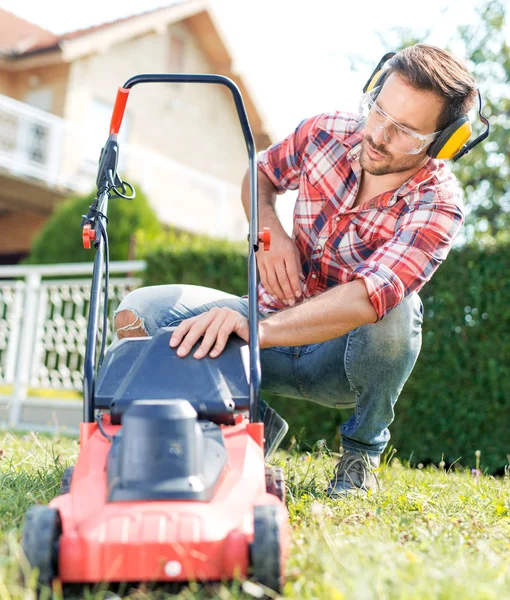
[(194, 124), (5, 83), (53, 77), (16, 235)]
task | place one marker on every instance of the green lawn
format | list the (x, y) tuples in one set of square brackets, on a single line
[(429, 534)]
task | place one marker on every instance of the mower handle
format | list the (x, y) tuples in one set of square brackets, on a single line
[(253, 237)]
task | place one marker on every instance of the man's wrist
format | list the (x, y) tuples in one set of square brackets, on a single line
[(265, 334)]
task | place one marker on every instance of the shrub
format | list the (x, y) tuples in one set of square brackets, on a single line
[(60, 240)]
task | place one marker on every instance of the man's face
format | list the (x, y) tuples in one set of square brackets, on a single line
[(417, 110)]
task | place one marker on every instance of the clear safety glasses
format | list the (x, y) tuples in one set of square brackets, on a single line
[(402, 138)]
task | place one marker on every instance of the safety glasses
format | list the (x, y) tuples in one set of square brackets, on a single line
[(402, 138)]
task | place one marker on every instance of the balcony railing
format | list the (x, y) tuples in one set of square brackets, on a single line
[(40, 146)]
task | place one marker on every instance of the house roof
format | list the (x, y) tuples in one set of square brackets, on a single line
[(18, 36), (23, 42)]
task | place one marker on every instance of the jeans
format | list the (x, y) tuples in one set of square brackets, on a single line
[(364, 369)]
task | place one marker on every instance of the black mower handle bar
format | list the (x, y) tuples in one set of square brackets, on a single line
[(118, 113)]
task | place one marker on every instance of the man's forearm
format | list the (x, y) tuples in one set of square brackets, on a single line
[(267, 201), (329, 315)]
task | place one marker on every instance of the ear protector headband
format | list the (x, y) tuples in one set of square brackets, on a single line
[(451, 143)]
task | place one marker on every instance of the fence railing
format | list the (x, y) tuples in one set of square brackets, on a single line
[(43, 325)]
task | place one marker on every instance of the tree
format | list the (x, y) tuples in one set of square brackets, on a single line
[(484, 172)]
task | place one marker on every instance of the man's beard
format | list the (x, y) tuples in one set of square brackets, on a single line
[(388, 164)]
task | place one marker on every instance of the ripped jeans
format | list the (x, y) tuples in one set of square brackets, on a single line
[(364, 369)]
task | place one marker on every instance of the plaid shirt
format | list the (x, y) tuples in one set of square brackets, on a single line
[(394, 242)]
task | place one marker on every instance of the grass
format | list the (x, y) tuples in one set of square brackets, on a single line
[(428, 534)]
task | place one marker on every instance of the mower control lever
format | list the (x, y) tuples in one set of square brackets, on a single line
[(88, 234), (265, 238)]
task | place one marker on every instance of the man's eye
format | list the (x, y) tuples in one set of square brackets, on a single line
[(404, 134)]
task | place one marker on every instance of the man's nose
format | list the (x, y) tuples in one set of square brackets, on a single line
[(380, 134)]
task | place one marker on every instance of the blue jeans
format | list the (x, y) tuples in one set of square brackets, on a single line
[(365, 369)]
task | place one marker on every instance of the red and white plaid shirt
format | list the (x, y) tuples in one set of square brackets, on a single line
[(394, 242)]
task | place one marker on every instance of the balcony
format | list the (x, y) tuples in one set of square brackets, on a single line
[(44, 157)]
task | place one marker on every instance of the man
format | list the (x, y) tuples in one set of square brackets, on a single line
[(374, 218)]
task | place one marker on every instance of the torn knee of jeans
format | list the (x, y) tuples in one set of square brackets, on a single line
[(128, 323)]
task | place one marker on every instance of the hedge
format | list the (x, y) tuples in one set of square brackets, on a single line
[(60, 240), (457, 399)]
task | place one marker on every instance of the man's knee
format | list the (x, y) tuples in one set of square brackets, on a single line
[(397, 333), (129, 324)]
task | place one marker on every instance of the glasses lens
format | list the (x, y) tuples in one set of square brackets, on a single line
[(401, 138)]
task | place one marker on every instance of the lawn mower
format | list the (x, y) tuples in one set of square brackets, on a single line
[(170, 484)]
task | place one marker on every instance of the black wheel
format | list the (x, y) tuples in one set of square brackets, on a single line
[(265, 557), (41, 533), (65, 484), (275, 482)]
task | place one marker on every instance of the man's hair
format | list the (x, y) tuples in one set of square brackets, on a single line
[(430, 68)]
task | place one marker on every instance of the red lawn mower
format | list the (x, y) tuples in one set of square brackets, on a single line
[(170, 484)]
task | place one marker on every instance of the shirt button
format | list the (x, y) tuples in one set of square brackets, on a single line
[(337, 218), (319, 247), (391, 202), (314, 275)]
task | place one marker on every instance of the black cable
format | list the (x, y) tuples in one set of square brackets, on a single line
[(93, 218), (106, 286), (99, 419)]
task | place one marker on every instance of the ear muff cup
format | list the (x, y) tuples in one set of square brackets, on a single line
[(451, 139), (376, 80)]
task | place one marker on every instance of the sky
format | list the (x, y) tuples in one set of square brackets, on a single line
[(300, 57)]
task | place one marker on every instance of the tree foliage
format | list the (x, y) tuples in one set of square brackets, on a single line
[(484, 172)]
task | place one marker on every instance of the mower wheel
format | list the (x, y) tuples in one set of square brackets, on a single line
[(40, 537), (275, 482), (265, 555), (65, 484)]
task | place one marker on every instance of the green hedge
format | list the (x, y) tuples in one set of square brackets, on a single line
[(457, 399), (60, 240), (197, 260)]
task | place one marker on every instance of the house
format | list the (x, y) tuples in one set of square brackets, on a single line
[(182, 143)]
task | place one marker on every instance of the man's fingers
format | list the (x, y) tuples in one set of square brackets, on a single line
[(222, 336), (295, 271), (263, 278), (195, 332), (211, 334), (285, 284), (295, 274), (181, 331), (272, 278)]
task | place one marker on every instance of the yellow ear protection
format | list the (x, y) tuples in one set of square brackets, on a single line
[(451, 143)]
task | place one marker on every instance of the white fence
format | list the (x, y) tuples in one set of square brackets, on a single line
[(43, 326)]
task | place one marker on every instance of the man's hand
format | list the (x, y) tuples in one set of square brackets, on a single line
[(215, 326), (280, 269)]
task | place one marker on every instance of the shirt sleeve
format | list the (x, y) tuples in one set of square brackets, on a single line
[(407, 261), (282, 162)]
